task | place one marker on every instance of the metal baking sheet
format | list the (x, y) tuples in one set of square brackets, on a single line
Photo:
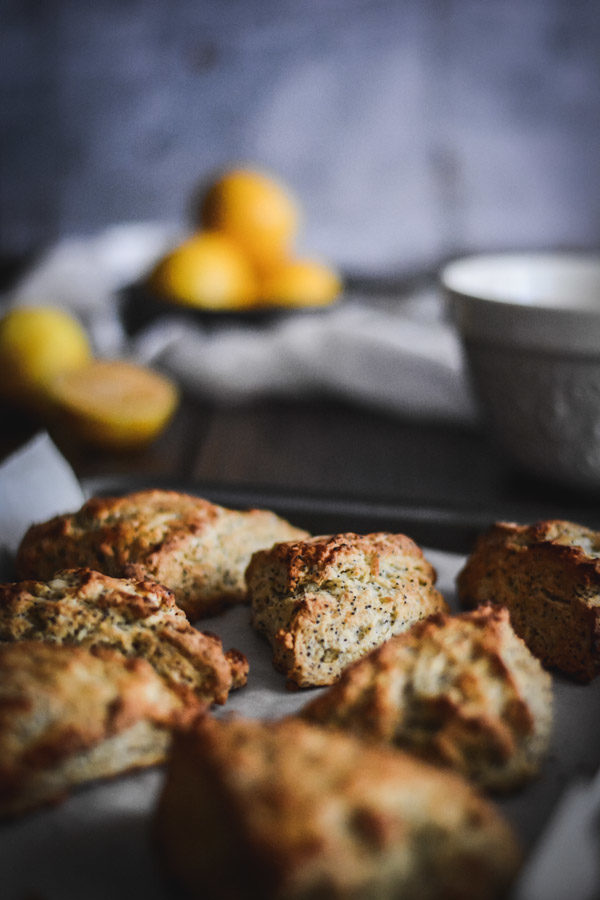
[(98, 843), (441, 527)]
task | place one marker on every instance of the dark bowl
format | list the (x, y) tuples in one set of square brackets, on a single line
[(141, 306)]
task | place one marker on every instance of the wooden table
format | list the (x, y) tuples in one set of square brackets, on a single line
[(439, 482)]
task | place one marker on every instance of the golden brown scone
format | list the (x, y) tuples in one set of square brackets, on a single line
[(197, 549), (70, 715), (138, 618), (325, 601), (462, 691), (548, 575), (289, 810)]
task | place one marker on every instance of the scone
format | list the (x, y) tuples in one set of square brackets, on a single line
[(70, 715), (325, 601), (289, 810), (462, 691), (548, 575), (138, 618), (197, 549)]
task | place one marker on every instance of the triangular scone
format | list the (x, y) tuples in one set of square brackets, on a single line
[(325, 601), (288, 810), (69, 715), (138, 618), (463, 691), (548, 576), (196, 548)]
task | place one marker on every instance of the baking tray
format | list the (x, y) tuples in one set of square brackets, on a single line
[(445, 528), (98, 843)]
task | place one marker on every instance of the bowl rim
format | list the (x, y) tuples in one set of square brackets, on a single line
[(540, 262), (568, 328)]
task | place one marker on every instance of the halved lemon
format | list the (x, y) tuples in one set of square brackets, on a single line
[(114, 404)]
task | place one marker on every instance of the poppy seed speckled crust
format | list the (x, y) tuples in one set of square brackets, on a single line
[(70, 715), (137, 618), (325, 601), (197, 549), (548, 576), (462, 691), (290, 811)]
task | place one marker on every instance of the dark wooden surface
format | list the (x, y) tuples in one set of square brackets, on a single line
[(346, 463)]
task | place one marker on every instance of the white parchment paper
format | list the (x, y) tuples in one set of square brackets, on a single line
[(36, 483)]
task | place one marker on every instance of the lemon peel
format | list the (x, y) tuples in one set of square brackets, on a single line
[(257, 211), (207, 271), (37, 343), (301, 282)]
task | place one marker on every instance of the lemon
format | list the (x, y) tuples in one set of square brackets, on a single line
[(301, 282), (208, 271), (36, 343), (114, 404), (257, 211)]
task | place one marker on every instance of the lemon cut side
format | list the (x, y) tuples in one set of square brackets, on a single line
[(114, 404)]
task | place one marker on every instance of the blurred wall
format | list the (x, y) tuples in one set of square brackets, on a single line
[(410, 130)]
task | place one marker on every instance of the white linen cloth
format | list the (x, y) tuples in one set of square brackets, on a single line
[(405, 357)]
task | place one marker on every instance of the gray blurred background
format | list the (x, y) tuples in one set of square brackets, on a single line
[(411, 131)]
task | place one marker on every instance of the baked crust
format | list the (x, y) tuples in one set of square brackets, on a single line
[(548, 576), (196, 548), (289, 810), (137, 618), (69, 715), (462, 691), (325, 601)]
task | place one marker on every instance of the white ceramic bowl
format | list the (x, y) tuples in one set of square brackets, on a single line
[(530, 324)]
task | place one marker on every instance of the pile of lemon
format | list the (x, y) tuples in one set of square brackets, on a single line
[(48, 370), (242, 255)]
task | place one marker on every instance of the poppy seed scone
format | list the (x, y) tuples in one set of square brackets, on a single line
[(137, 618), (70, 715), (462, 691), (548, 576), (196, 548), (325, 601), (291, 811)]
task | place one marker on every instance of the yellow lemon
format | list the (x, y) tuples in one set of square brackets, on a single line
[(36, 343), (114, 404), (301, 282), (208, 271), (257, 211)]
